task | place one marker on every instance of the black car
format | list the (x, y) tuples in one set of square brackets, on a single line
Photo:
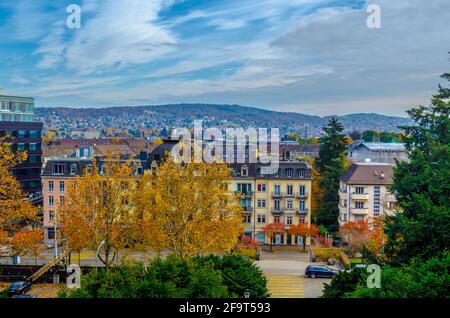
[(314, 271), (19, 288)]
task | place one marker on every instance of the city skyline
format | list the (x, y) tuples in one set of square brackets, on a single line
[(307, 56)]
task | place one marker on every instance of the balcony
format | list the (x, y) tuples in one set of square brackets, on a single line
[(248, 208), (361, 211), (360, 196), (289, 195), (277, 211), (277, 194), (303, 212), (289, 210), (301, 195), (244, 194)]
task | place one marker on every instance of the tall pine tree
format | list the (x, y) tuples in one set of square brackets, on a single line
[(331, 165), (422, 185)]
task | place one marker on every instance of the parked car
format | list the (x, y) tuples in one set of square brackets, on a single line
[(19, 288), (314, 271)]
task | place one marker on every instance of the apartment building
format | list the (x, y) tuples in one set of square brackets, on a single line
[(363, 192), (284, 197), (17, 120)]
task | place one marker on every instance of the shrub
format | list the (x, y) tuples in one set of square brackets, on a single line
[(198, 277), (344, 283), (323, 254)]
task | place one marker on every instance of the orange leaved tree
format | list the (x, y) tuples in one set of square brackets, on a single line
[(28, 242), (16, 212), (187, 208), (304, 230), (273, 229), (356, 234), (98, 209)]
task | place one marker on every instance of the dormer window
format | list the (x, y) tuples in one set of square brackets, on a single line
[(289, 173), (73, 169), (301, 173), (58, 169), (244, 171)]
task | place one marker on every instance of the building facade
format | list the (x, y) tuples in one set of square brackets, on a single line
[(17, 120), (284, 197), (377, 152), (363, 192)]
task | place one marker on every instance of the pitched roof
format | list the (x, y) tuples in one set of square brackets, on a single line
[(368, 173), (374, 146)]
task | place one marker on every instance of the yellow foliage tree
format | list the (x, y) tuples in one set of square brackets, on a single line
[(98, 210), (28, 242), (187, 208), (316, 190), (16, 211)]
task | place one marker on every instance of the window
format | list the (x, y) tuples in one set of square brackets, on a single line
[(61, 186), (73, 168), (277, 205), (51, 201), (301, 173), (58, 169), (344, 203), (290, 190), (344, 217), (302, 190), (262, 187), (359, 190), (20, 147), (277, 189), (261, 218), (61, 199), (51, 216), (51, 233), (248, 219), (276, 219), (289, 204), (34, 134), (261, 203), (302, 206), (289, 220), (33, 147), (50, 186), (359, 205), (244, 187), (289, 173), (34, 159), (244, 171)]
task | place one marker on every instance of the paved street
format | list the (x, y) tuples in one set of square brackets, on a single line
[(285, 273)]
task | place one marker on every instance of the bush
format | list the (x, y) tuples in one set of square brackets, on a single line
[(344, 283), (323, 254), (198, 277)]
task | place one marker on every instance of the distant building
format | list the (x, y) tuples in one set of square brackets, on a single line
[(377, 152), (295, 150), (17, 119), (363, 192)]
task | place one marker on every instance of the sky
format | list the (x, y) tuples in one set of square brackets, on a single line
[(308, 56)]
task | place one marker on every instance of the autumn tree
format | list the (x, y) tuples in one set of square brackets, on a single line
[(272, 229), (186, 208), (356, 234), (16, 212), (304, 230), (28, 242), (98, 210)]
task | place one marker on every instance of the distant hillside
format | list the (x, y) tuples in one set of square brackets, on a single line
[(183, 115)]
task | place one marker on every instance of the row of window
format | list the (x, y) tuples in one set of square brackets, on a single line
[(22, 134), (51, 200), (261, 219), (25, 146), (16, 106), (262, 187), (288, 173), (51, 186), (27, 172), (17, 117)]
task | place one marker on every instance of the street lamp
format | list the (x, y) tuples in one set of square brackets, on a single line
[(96, 254), (246, 293)]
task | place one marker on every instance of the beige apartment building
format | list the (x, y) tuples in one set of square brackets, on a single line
[(284, 197), (363, 192)]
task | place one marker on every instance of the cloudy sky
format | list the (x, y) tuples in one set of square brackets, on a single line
[(309, 56)]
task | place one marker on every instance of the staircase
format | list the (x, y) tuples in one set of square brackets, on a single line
[(44, 269), (285, 286)]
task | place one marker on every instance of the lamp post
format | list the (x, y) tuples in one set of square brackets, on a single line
[(96, 254)]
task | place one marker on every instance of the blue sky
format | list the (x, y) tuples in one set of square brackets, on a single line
[(308, 56)]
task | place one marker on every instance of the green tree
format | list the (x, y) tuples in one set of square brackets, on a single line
[(331, 164), (422, 186)]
